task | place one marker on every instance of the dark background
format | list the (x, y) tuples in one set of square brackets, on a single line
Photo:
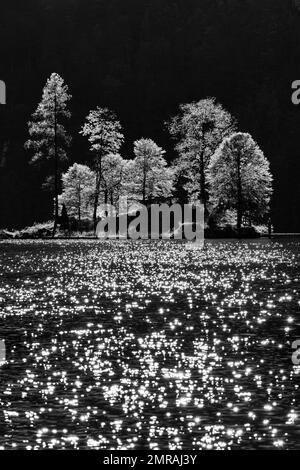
[(143, 58)]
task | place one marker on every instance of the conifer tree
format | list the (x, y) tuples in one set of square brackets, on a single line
[(48, 138)]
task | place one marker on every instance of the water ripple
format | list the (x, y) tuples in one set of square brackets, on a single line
[(137, 345)]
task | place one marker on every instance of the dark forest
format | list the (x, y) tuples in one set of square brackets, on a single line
[(142, 58)]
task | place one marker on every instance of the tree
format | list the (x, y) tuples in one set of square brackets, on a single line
[(148, 177), (141, 57), (104, 133), (240, 178), (200, 127), (113, 176), (78, 189), (48, 136)]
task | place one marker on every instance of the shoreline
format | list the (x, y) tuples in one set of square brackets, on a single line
[(72, 238)]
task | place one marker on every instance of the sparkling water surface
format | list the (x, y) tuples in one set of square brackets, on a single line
[(149, 346)]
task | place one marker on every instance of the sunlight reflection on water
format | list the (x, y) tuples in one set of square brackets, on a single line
[(129, 346)]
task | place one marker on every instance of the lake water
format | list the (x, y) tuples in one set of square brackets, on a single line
[(149, 346)]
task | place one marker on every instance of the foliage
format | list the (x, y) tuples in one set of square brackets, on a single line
[(200, 128), (78, 189), (113, 168), (240, 178), (105, 136), (148, 178), (35, 230), (48, 136), (49, 119), (103, 131)]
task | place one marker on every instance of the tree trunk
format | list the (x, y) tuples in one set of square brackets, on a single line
[(56, 215), (144, 180), (144, 189), (79, 207), (203, 183), (97, 192), (239, 196), (96, 202)]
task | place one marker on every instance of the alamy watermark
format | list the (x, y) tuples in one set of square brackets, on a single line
[(296, 354), (154, 222), (2, 92), (296, 92)]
